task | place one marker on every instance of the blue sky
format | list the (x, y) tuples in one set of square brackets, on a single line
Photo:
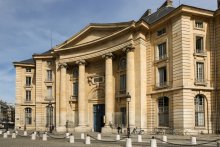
[(26, 26)]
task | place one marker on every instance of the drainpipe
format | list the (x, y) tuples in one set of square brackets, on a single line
[(215, 75)]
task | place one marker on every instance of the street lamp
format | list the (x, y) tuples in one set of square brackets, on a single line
[(128, 99)]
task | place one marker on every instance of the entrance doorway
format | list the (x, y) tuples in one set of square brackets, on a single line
[(98, 112)]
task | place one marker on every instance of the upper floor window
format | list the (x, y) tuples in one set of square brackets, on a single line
[(199, 44), (28, 95), (162, 76), (75, 89), (162, 50), (28, 69), (49, 91), (163, 111), (49, 63), (28, 81), (49, 75), (161, 32), (122, 63), (200, 72), (199, 110), (75, 72), (123, 82), (28, 116), (198, 24)]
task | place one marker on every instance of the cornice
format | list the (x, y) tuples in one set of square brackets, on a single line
[(97, 53), (23, 65)]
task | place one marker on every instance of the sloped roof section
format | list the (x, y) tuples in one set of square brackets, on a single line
[(157, 15), (28, 61)]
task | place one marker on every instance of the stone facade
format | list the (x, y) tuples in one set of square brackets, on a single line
[(166, 61)]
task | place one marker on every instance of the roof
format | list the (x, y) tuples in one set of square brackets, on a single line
[(28, 61), (157, 15)]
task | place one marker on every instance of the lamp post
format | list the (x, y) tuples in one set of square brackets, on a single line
[(128, 99)]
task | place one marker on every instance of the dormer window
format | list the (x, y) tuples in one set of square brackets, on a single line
[(199, 24), (161, 32)]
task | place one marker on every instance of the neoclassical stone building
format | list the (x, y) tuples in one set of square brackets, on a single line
[(167, 61)]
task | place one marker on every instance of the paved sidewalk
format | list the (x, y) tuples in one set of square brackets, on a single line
[(108, 140)]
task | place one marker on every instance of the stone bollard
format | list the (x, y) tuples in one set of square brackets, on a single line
[(128, 142), (139, 138), (82, 136), (8, 132), (5, 135), (25, 133), (153, 142), (193, 140), (44, 137), (0, 132), (99, 137), (13, 135), (117, 137), (67, 135), (164, 139), (87, 140), (35, 132), (71, 138), (33, 136)]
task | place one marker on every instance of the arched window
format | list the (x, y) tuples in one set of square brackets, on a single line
[(122, 63), (75, 72), (28, 116), (199, 110), (163, 111)]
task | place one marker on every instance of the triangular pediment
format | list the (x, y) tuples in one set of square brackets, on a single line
[(94, 32)]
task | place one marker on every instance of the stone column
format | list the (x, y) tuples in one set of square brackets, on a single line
[(62, 100), (109, 95), (82, 100), (130, 83)]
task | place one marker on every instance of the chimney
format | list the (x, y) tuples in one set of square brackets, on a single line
[(148, 12), (218, 4), (170, 3)]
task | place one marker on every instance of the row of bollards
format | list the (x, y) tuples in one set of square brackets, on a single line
[(153, 141)]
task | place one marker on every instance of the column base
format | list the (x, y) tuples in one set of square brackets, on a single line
[(106, 129), (61, 129), (83, 129)]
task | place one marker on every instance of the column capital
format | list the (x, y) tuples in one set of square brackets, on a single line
[(129, 48), (108, 55), (81, 62), (62, 65)]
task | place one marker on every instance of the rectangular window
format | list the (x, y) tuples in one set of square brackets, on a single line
[(198, 24), (199, 44), (75, 89), (28, 116), (199, 111), (49, 75), (123, 82), (28, 95), (28, 81), (28, 69), (49, 63), (49, 91), (163, 111), (162, 53), (162, 76), (161, 32), (200, 72)]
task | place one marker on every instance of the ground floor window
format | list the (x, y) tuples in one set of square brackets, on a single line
[(163, 111), (49, 109), (28, 116), (199, 111)]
